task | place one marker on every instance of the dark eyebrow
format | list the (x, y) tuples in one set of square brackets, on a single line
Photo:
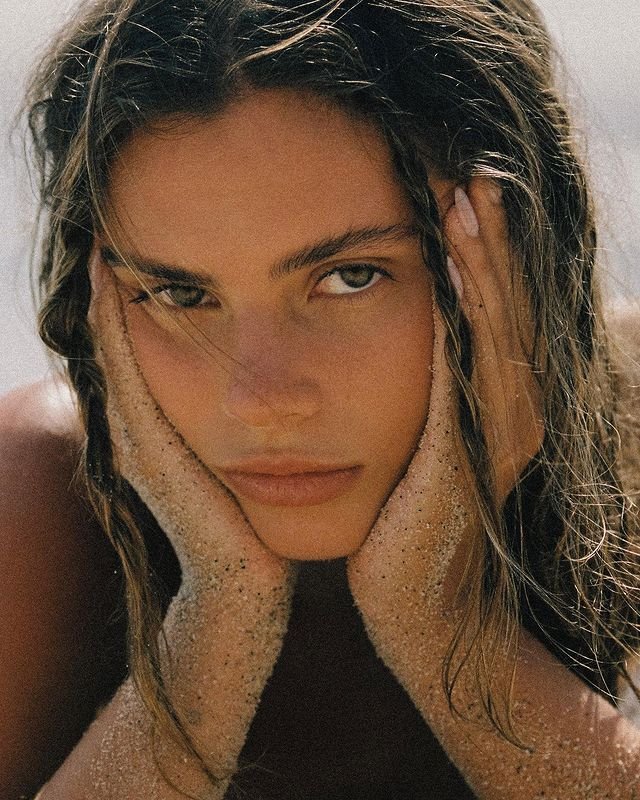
[(306, 256), (332, 245), (156, 269)]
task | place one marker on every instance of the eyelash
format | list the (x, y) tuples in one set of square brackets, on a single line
[(353, 296), (144, 296)]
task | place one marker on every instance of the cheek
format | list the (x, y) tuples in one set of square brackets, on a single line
[(374, 378), (172, 365), (387, 374), (375, 381)]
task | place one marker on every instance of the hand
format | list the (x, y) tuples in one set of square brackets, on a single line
[(232, 609), (405, 576)]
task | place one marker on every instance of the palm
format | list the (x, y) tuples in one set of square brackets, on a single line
[(227, 623), (404, 577), (202, 520)]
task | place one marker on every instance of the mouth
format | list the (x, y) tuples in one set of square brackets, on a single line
[(304, 487)]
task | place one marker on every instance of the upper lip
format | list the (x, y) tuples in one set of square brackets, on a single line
[(283, 465)]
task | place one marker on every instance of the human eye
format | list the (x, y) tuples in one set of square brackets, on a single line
[(176, 296), (352, 279)]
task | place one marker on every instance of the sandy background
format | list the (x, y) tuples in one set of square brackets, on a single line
[(598, 39)]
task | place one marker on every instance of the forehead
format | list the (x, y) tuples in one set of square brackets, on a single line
[(268, 171)]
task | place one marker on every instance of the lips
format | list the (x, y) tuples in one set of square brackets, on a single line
[(289, 481)]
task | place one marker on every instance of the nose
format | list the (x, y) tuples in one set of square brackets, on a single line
[(268, 383)]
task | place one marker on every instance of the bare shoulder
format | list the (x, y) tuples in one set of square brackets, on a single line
[(37, 422), (46, 405), (40, 440), (58, 589), (40, 443)]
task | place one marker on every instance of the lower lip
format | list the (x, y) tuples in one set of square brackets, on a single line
[(299, 489)]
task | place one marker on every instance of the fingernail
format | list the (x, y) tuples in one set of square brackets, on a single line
[(456, 278), (494, 192), (96, 271), (467, 214)]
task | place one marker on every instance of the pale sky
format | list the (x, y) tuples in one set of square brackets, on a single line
[(599, 43)]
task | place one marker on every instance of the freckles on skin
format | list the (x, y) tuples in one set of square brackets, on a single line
[(347, 378)]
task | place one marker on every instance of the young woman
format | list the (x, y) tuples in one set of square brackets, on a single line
[(323, 277)]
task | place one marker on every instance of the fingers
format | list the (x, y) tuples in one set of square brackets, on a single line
[(133, 414), (476, 231), (190, 504)]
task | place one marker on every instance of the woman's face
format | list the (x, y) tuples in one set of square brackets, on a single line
[(289, 338)]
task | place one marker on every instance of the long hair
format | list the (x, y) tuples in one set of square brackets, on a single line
[(466, 89)]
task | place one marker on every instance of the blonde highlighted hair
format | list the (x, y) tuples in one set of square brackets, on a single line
[(466, 89)]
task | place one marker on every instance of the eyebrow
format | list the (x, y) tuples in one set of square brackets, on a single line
[(306, 256)]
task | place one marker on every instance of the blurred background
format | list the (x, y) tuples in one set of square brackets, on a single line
[(598, 43)]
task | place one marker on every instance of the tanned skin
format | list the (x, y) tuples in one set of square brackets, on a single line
[(62, 623), (62, 633)]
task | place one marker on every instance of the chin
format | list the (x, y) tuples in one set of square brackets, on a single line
[(301, 544)]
